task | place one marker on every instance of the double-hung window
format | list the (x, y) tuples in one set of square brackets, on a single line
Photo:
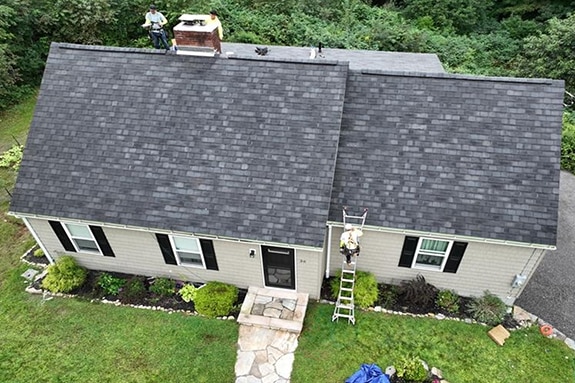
[(82, 238), (188, 251), (431, 253)]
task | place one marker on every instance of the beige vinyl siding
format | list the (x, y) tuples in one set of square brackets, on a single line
[(138, 252), (484, 266)]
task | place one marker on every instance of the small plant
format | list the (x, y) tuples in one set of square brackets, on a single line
[(188, 292), (364, 292), (388, 296), (487, 309), (109, 284), (215, 299), (419, 292), (163, 287), (64, 276), (38, 253), (448, 300), (134, 290), (12, 157), (411, 369)]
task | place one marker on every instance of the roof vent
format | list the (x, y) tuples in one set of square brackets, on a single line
[(194, 36)]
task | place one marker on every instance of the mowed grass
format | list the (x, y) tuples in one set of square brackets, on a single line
[(68, 340), (332, 351)]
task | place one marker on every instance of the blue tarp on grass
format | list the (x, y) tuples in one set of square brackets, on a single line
[(368, 373)]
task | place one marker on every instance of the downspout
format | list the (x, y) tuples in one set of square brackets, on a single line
[(328, 251), (29, 227)]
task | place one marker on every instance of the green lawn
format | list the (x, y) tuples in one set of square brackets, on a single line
[(331, 351), (68, 340)]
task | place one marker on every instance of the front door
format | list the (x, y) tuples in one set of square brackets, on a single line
[(279, 267)]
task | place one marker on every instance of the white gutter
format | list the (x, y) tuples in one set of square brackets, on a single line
[(164, 231), (44, 249), (328, 251), (450, 236)]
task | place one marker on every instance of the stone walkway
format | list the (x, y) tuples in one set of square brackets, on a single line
[(270, 324)]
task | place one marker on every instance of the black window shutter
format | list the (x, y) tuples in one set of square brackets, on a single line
[(62, 236), (455, 256), (102, 241), (408, 251), (209, 254), (166, 247)]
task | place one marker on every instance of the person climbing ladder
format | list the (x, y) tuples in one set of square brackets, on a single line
[(349, 242)]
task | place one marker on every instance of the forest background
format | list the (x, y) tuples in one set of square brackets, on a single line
[(519, 38)]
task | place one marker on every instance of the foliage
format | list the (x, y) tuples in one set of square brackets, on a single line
[(163, 287), (133, 291), (39, 253), (12, 158), (411, 369), (388, 296), (448, 300), (215, 299), (64, 275), (188, 292), (487, 309), (568, 142), (550, 54), (365, 291), (109, 284), (419, 292)]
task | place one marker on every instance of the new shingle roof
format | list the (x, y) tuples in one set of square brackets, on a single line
[(452, 154), (229, 147)]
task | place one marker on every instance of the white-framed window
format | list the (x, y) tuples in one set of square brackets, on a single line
[(188, 251), (431, 254), (82, 238)]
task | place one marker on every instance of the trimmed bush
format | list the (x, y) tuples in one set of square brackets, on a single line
[(487, 309), (39, 253), (411, 369), (365, 291), (215, 299), (109, 284), (133, 291), (163, 287), (64, 276), (448, 300)]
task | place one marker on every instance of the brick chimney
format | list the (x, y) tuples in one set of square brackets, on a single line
[(194, 37)]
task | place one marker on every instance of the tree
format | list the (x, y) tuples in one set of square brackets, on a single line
[(550, 54)]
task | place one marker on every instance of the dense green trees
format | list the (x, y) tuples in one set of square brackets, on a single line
[(533, 38)]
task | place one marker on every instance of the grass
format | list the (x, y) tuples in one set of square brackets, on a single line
[(333, 351), (69, 340)]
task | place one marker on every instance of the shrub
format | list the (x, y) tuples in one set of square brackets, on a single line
[(568, 143), (365, 291), (388, 296), (487, 309), (134, 290), (448, 300), (12, 158), (64, 276), (215, 299), (109, 284), (411, 369), (39, 253), (188, 292), (163, 287), (419, 292)]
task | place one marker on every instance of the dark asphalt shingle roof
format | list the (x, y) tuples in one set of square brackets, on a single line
[(452, 154), (227, 147)]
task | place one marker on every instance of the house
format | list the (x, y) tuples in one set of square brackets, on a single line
[(236, 168)]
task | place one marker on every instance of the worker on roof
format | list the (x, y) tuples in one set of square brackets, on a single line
[(349, 242), (213, 20), (156, 21)]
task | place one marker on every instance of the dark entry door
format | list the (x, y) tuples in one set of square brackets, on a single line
[(279, 267)]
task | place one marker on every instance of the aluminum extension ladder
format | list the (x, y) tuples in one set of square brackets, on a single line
[(345, 305)]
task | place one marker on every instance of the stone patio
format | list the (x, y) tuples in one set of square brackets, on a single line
[(270, 323)]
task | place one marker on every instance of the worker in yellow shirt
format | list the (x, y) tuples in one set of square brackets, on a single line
[(213, 20)]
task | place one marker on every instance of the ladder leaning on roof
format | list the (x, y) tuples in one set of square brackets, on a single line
[(345, 305)]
